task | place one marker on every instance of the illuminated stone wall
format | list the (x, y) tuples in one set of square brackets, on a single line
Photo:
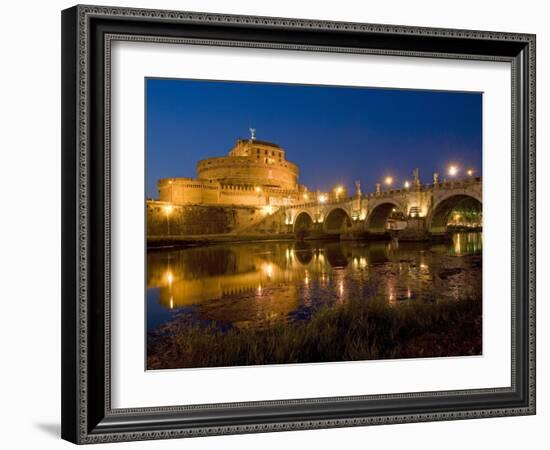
[(166, 219)]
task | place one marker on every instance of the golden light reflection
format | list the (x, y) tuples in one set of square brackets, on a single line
[(169, 277), (268, 269), (168, 209), (457, 244)]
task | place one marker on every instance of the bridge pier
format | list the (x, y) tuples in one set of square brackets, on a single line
[(416, 230)]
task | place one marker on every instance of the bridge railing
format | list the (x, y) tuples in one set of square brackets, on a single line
[(447, 184)]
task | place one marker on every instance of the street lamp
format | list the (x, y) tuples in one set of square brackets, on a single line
[(338, 190), (470, 172), (453, 170), (407, 185), (322, 198), (388, 181)]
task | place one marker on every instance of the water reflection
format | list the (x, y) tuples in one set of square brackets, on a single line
[(254, 284)]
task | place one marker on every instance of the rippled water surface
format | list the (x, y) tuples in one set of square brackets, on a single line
[(253, 284)]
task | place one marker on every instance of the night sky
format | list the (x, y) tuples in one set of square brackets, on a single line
[(335, 134)]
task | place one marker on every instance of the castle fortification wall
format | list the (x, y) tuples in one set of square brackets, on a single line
[(250, 171), (165, 219)]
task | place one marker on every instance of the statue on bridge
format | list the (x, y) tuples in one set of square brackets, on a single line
[(416, 177), (358, 188)]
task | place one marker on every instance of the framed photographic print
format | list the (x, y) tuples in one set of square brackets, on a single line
[(277, 224)]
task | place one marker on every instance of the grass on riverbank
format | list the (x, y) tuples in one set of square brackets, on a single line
[(358, 330)]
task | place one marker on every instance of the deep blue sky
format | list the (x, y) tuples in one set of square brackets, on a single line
[(334, 134)]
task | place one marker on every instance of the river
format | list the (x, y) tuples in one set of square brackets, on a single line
[(246, 285)]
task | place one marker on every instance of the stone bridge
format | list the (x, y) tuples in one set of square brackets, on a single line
[(424, 210)]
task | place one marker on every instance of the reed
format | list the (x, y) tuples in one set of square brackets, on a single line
[(357, 330)]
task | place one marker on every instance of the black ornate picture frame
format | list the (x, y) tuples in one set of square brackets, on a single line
[(87, 34)]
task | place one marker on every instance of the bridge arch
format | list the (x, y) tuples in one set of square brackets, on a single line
[(337, 220), (439, 215), (303, 222), (379, 214)]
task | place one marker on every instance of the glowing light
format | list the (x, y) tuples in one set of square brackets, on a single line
[(269, 270), (170, 181), (268, 209), (388, 181), (169, 277), (341, 288), (470, 172), (407, 185), (258, 189), (453, 170), (168, 209), (306, 197), (171, 302), (322, 198), (259, 289)]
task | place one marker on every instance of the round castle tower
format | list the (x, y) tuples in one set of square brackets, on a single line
[(253, 173)]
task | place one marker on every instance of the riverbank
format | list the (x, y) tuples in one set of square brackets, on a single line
[(160, 242), (354, 331), (171, 242)]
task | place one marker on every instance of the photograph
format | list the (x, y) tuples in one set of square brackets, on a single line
[(296, 223), (272, 222)]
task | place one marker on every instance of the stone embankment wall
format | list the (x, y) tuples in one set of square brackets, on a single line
[(191, 220)]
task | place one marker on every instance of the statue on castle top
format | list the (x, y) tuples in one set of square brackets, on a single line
[(358, 188), (252, 134)]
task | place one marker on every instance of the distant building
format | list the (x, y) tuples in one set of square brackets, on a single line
[(254, 173)]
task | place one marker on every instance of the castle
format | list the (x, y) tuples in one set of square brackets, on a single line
[(254, 173)]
